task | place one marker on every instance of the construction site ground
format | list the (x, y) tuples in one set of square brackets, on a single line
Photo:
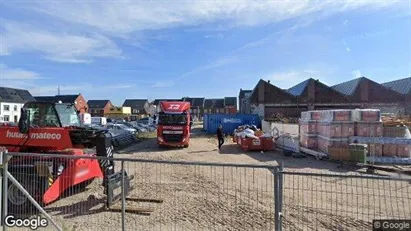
[(226, 198)]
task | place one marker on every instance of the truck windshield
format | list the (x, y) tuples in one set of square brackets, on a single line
[(172, 119)]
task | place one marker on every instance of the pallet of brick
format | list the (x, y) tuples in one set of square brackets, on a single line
[(311, 115), (369, 129), (404, 149), (336, 129), (325, 143), (367, 115), (308, 141), (336, 116), (308, 127), (375, 149)]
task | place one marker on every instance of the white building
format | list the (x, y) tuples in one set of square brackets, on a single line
[(11, 102)]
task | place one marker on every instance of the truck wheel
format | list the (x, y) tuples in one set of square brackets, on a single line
[(186, 146), (18, 203)]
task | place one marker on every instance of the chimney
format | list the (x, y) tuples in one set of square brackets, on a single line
[(268, 81)]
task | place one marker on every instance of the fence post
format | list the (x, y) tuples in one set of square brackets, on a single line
[(281, 191), (277, 203), (4, 188), (123, 198), (1, 189)]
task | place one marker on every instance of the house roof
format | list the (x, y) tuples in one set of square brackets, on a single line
[(62, 98), (230, 101), (195, 102), (298, 89), (97, 103), (135, 103), (402, 86), (214, 103), (349, 87), (13, 95), (244, 92), (272, 93), (157, 101)]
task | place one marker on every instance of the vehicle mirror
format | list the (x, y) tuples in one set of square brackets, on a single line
[(24, 121)]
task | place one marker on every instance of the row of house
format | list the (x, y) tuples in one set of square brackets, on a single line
[(13, 99), (272, 102)]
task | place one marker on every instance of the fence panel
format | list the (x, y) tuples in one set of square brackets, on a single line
[(195, 196), (342, 202)]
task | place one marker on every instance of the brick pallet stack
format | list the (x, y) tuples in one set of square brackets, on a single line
[(308, 129), (331, 129), (334, 129), (368, 123)]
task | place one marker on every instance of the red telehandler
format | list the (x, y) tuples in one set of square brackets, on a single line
[(46, 128)]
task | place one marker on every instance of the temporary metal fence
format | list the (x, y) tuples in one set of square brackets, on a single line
[(176, 195), (324, 201), (167, 195)]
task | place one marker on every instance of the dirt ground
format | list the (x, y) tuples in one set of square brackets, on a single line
[(235, 198)]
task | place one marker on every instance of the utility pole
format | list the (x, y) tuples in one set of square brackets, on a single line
[(58, 90)]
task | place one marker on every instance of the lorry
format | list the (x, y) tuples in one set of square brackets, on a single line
[(174, 124)]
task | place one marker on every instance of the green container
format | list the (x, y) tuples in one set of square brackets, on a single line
[(358, 152)]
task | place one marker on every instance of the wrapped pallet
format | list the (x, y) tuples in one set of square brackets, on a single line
[(311, 115), (336, 116), (375, 149), (308, 141), (369, 129), (367, 115), (335, 129), (324, 143), (308, 127)]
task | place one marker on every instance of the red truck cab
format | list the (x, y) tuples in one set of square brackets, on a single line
[(174, 124)]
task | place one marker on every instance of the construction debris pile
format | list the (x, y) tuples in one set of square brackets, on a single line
[(251, 138), (332, 132)]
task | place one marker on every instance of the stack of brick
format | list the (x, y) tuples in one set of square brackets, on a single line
[(334, 129), (308, 129), (386, 146), (368, 123)]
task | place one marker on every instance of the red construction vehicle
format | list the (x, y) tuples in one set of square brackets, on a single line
[(174, 124), (46, 128)]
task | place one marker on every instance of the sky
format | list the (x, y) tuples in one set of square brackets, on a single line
[(171, 49)]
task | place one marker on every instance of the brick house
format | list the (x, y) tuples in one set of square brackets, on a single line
[(98, 108), (365, 93), (230, 105), (244, 101), (197, 106), (402, 86), (78, 100), (138, 107), (214, 106)]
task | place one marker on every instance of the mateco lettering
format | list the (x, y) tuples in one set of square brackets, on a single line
[(34, 135)]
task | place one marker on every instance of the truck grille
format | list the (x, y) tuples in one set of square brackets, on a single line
[(173, 137)]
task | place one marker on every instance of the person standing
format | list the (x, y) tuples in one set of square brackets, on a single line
[(220, 136)]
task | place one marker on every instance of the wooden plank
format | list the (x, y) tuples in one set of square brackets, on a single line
[(144, 200), (140, 210)]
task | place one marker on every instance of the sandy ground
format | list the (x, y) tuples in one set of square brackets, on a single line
[(235, 198)]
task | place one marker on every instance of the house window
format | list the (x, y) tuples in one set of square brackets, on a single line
[(136, 111), (16, 119), (6, 118), (15, 107), (6, 108)]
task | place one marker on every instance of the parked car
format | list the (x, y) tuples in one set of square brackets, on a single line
[(121, 127)]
